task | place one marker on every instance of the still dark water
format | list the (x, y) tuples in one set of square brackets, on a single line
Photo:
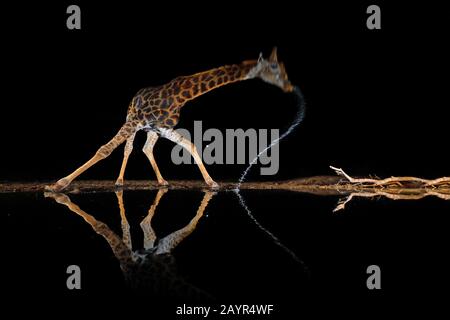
[(189, 250)]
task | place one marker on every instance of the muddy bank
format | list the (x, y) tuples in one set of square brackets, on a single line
[(321, 185)]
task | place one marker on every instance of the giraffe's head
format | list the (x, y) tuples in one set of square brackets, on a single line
[(274, 72)]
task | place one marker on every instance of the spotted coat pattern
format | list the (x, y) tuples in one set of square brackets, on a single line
[(159, 107)]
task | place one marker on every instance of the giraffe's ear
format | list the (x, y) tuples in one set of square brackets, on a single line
[(260, 59), (273, 55)]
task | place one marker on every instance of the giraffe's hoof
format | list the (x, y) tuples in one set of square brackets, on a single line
[(58, 197), (163, 183), (58, 186), (212, 184), (119, 183)]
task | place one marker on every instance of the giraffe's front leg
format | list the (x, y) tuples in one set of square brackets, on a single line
[(126, 236), (152, 137), (176, 137), (146, 223), (126, 155), (58, 186), (58, 197), (124, 133)]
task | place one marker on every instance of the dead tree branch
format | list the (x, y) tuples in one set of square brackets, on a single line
[(395, 188)]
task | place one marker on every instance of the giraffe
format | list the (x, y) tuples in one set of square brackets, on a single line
[(156, 110), (152, 268)]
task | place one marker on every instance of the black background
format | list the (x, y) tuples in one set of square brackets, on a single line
[(376, 99), (376, 104)]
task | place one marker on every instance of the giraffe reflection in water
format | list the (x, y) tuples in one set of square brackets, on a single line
[(153, 267)]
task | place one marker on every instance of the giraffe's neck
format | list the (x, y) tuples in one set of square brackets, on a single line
[(203, 82)]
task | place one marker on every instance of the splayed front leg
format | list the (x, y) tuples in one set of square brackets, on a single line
[(127, 130), (58, 186)]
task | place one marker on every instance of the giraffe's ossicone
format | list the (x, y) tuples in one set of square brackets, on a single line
[(156, 110)]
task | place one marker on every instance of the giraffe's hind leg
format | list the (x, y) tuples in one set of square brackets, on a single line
[(126, 155), (103, 152), (152, 137), (176, 137), (169, 242)]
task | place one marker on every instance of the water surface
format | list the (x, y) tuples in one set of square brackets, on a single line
[(202, 247)]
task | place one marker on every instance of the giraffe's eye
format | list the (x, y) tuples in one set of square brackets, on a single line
[(274, 66)]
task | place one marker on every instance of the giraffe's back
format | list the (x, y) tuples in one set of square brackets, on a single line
[(154, 107)]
